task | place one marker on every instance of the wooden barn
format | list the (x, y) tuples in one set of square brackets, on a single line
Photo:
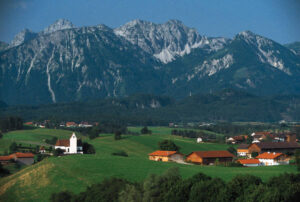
[(281, 147), (166, 156), (209, 157)]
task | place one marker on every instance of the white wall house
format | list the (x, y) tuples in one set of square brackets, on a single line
[(70, 146), (199, 140), (272, 159)]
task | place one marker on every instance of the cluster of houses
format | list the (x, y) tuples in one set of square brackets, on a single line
[(69, 124), (263, 136), (68, 146), (197, 157), (258, 153)]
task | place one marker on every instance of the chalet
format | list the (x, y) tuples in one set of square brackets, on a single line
[(282, 147), (71, 124), (70, 146), (242, 150), (21, 158), (272, 158), (249, 162), (165, 156), (209, 157)]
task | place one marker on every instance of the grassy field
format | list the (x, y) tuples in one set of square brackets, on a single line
[(76, 172), (31, 137)]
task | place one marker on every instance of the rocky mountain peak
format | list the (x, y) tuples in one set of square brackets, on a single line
[(60, 24), (22, 36)]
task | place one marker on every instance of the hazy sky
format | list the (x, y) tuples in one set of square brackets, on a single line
[(275, 19)]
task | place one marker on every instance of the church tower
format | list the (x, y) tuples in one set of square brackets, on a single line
[(73, 144)]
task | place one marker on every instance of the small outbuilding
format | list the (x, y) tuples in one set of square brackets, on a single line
[(209, 157), (166, 156), (249, 162)]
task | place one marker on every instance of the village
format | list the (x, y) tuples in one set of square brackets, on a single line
[(266, 149)]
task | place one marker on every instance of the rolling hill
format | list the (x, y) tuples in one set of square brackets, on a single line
[(76, 172)]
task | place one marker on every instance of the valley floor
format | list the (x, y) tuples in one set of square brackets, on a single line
[(76, 172)]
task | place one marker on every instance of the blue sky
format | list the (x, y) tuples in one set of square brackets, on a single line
[(275, 19)]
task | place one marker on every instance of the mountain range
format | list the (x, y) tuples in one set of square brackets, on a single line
[(65, 63)]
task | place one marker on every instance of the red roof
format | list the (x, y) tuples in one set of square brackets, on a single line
[(71, 123), (5, 158), (16, 155), (28, 123), (249, 161), (65, 143), (269, 155), (162, 153), (213, 154), (23, 155)]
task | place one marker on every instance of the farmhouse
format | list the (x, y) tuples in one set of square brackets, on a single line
[(71, 124), (165, 156), (242, 150), (272, 158), (70, 146), (21, 158), (249, 162), (209, 157), (283, 147)]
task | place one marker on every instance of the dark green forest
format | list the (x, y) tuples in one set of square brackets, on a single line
[(226, 105)]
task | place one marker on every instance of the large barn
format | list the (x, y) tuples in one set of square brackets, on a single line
[(282, 147), (209, 157)]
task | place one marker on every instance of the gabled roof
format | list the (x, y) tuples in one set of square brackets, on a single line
[(162, 153), (65, 143), (23, 155), (16, 155), (243, 146), (269, 155), (277, 145), (213, 154), (249, 161)]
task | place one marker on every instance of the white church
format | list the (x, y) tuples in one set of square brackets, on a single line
[(70, 146)]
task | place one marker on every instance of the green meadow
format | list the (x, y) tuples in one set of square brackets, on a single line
[(76, 172)]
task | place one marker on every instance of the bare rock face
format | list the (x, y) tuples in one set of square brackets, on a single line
[(64, 63), (22, 37), (60, 24), (167, 41)]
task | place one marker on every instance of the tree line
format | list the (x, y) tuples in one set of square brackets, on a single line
[(170, 186), (11, 123)]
